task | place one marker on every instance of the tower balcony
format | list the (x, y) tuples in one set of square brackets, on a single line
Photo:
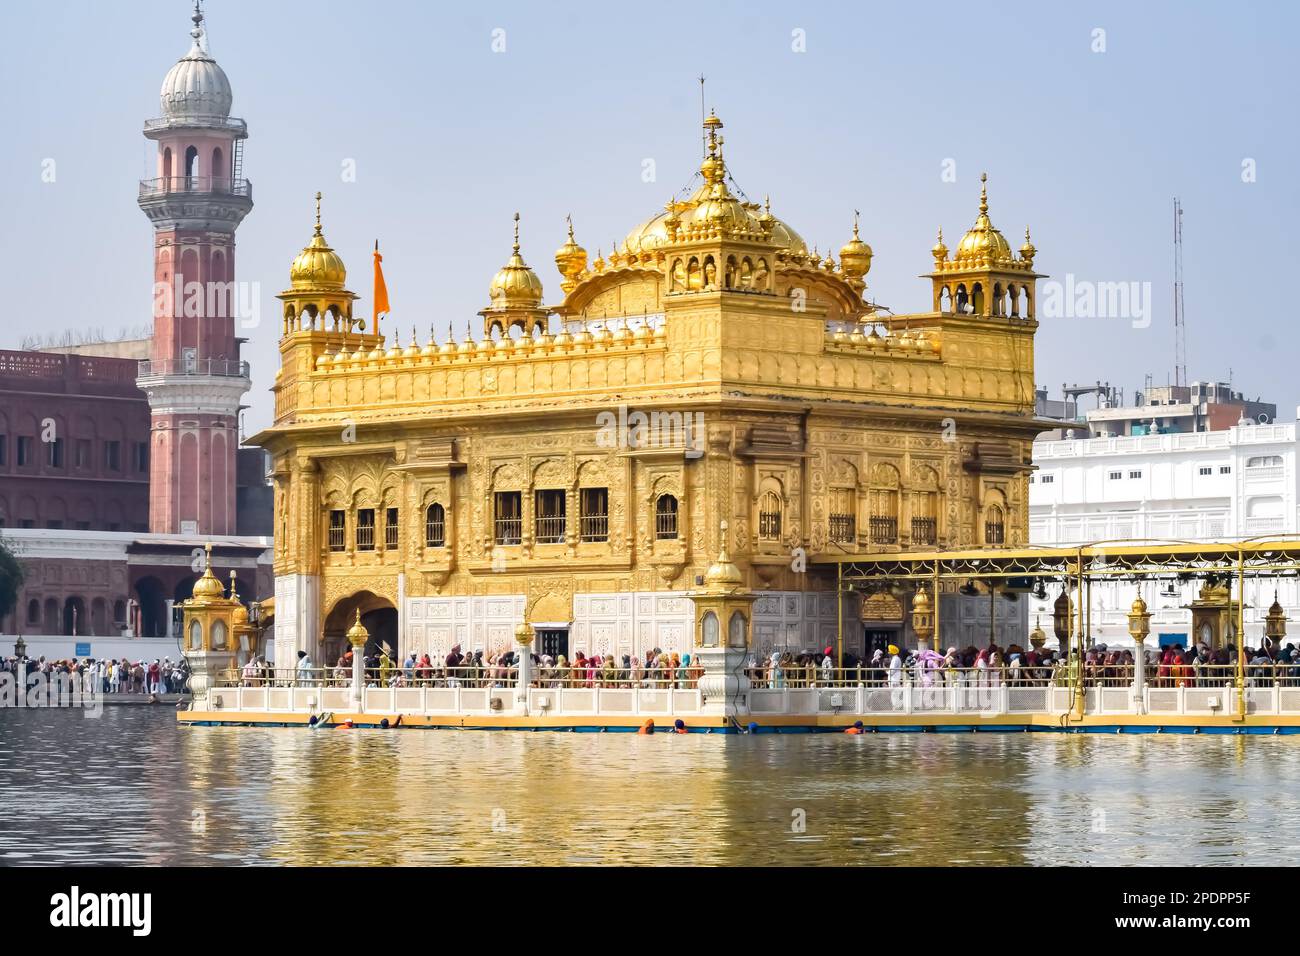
[(215, 203), (195, 185), (194, 386), (154, 128), (221, 368)]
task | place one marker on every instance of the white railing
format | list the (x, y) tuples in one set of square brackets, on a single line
[(459, 700)]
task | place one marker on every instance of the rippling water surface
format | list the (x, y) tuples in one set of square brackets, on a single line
[(133, 787)]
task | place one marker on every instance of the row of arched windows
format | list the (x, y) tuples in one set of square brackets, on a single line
[(1010, 300), (186, 176), (737, 629), (743, 274), (71, 615)]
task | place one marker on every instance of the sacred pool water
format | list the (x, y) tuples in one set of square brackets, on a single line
[(132, 787)]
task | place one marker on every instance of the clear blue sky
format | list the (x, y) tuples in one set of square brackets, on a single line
[(450, 138)]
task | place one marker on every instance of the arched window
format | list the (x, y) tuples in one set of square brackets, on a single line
[(883, 523), (995, 529), (33, 612), (769, 517), (977, 299), (666, 517), (196, 635), (737, 630), (843, 515), (435, 527), (961, 300), (219, 176), (218, 634), (709, 630), (167, 168), (119, 614), (191, 167)]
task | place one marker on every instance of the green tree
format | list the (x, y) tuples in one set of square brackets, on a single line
[(11, 578)]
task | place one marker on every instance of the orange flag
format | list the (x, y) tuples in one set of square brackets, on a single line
[(381, 290)]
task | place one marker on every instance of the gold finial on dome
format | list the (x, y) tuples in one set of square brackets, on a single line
[(722, 573), (515, 285), (208, 588), (982, 241), (318, 266), (855, 255)]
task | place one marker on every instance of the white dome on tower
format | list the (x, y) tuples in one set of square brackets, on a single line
[(196, 88)]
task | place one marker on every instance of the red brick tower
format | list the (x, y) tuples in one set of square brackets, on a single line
[(194, 377)]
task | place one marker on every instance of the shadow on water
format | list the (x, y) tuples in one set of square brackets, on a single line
[(132, 787)]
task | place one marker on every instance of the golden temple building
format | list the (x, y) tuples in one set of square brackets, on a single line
[(573, 466)]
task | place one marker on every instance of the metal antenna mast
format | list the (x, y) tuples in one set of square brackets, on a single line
[(1180, 317)]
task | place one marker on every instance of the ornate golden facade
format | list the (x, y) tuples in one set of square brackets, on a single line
[(576, 469)]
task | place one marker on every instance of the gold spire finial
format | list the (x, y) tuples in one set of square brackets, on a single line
[(855, 224), (569, 219), (984, 193), (516, 233), (318, 199)]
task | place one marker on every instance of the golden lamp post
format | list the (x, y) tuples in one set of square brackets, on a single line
[(1275, 624), (357, 637), (1139, 626)]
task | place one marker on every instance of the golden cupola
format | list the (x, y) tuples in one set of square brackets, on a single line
[(515, 296), (317, 299), (984, 276), (515, 285), (318, 267), (983, 242)]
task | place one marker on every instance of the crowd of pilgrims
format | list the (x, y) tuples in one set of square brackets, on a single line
[(1173, 666), (109, 676), (458, 668), (994, 665)]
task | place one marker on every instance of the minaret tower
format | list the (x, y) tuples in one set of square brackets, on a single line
[(194, 377)]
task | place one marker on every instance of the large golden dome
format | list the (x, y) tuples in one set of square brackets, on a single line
[(982, 241), (713, 205), (516, 285), (318, 266)]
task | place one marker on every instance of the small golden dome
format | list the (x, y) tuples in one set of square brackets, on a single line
[(239, 615), (1139, 606), (318, 266), (982, 241), (515, 285), (1036, 636), (855, 255), (939, 250), (208, 588), (571, 258), (448, 347), (357, 634), (1027, 251), (723, 573)]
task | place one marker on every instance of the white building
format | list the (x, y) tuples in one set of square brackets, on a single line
[(1201, 486)]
